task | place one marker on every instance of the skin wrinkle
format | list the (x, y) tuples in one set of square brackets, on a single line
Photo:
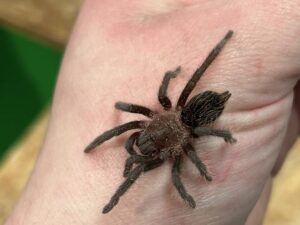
[(257, 117), (272, 131), (267, 153)]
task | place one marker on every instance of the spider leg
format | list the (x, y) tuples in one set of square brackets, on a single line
[(208, 131), (153, 164), (200, 71), (178, 183), (134, 159), (114, 132), (134, 109), (162, 93), (130, 142), (132, 177), (150, 163), (192, 155)]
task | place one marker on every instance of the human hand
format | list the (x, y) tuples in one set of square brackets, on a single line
[(120, 52)]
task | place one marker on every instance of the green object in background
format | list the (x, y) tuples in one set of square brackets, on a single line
[(28, 72)]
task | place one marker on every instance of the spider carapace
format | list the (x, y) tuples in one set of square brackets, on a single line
[(164, 136), (169, 135)]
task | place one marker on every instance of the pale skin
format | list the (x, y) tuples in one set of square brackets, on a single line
[(120, 51)]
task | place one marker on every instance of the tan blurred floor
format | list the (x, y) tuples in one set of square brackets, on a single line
[(284, 208), (15, 170)]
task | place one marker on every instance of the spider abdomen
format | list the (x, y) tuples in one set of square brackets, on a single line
[(164, 136)]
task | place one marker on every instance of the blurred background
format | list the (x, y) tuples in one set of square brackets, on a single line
[(28, 72), (33, 34)]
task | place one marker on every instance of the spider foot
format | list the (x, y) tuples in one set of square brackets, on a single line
[(109, 206), (229, 139), (174, 73), (191, 202), (207, 177), (203, 171)]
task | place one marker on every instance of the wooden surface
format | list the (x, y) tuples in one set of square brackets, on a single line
[(50, 20), (284, 208)]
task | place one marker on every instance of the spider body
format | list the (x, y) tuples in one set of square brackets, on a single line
[(164, 136), (170, 134)]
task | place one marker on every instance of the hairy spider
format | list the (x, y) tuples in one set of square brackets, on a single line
[(168, 135)]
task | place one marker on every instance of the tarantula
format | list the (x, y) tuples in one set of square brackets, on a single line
[(168, 135)]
